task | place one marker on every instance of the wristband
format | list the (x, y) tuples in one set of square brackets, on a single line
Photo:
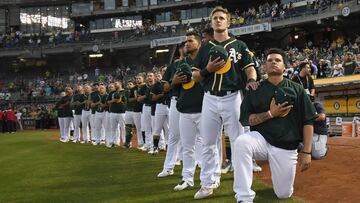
[(305, 152), (204, 72), (250, 80), (269, 112)]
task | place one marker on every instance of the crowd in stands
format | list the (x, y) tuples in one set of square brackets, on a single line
[(267, 12), (328, 59), (48, 85)]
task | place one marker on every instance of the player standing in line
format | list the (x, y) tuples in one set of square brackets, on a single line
[(76, 103), (106, 123), (174, 143), (280, 115), (140, 83), (132, 115), (94, 97), (100, 114), (86, 115), (108, 134), (221, 82), (117, 115), (189, 105), (208, 35), (66, 115), (161, 112), (143, 97)]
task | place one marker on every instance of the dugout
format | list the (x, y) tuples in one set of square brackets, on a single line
[(341, 99)]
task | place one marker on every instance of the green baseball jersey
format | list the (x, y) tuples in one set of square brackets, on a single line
[(109, 98), (59, 111), (190, 100), (134, 106), (86, 107), (103, 99), (94, 97), (66, 110), (79, 98), (119, 107), (145, 91), (169, 75), (232, 79), (156, 89), (283, 132)]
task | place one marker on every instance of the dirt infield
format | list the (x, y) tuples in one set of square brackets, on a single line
[(336, 178)]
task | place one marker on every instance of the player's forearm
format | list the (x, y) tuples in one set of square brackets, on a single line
[(132, 99), (140, 98), (197, 76), (258, 118), (250, 73), (321, 117), (307, 137)]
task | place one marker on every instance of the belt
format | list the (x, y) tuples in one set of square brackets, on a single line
[(221, 93)]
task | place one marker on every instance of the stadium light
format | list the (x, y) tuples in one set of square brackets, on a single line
[(296, 36), (95, 55), (162, 51)]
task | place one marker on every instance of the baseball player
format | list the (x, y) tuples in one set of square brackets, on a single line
[(86, 115), (189, 105), (108, 134), (117, 115), (133, 114), (143, 97), (140, 82), (95, 99), (221, 63), (65, 114), (100, 114), (161, 112), (76, 103), (174, 131), (280, 115)]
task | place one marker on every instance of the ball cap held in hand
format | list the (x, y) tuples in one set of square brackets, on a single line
[(285, 94), (219, 52), (186, 70)]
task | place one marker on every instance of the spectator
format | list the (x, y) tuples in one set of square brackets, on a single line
[(304, 79), (349, 65), (337, 69), (323, 69)]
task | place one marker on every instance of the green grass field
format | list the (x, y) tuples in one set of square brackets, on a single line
[(34, 167)]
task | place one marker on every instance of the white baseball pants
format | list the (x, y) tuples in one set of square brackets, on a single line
[(282, 166), (217, 112), (85, 120)]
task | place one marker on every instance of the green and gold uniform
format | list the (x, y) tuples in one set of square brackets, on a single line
[(134, 106), (103, 99), (190, 100), (282, 132), (119, 107), (66, 110), (94, 97), (231, 80), (86, 107), (169, 75), (109, 98), (78, 98)]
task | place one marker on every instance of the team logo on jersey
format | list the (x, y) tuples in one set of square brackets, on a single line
[(234, 55)]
